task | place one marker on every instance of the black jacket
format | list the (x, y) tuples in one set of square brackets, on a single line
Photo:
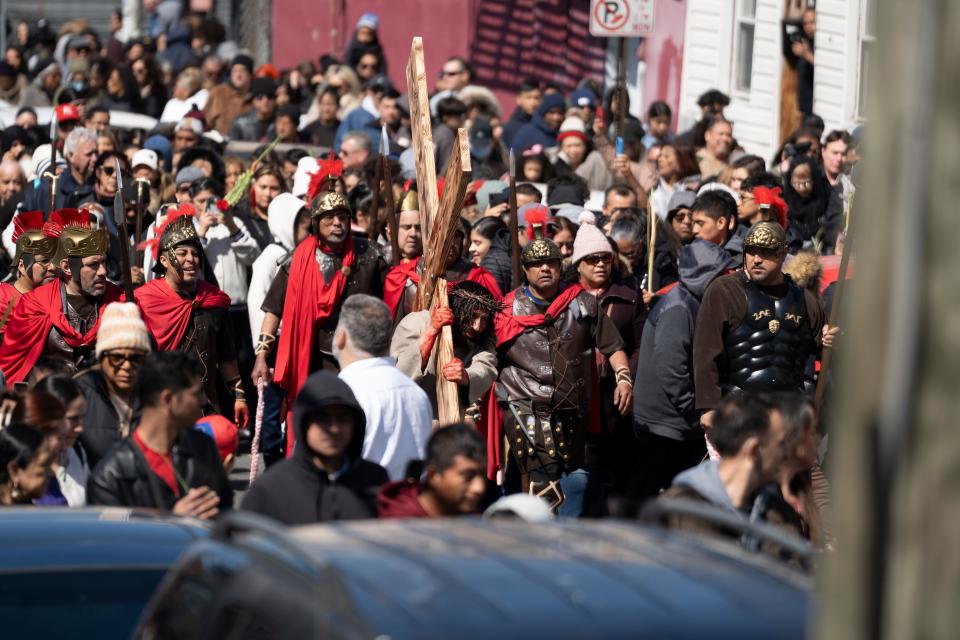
[(124, 478), (296, 491), (101, 424), (663, 393), (499, 260)]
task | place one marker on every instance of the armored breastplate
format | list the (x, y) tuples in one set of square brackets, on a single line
[(57, 348), (769, 349)]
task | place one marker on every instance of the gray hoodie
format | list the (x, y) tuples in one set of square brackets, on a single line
[(663, 394)]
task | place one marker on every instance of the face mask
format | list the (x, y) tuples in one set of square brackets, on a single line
[(78, 86)]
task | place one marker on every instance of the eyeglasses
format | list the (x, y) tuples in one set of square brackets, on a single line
[(447, 74), (598, 258), (69, 125), (263, 96), (682, 217), (368, 66), (801, 183), (108, 170), (116, 360), (184, 188)]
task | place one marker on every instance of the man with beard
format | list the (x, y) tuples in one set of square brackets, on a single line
[(400, 288), (32, 264), (328, 266), (474, 364), (548, 336), (59, 320), (756, 328), (184, 313)]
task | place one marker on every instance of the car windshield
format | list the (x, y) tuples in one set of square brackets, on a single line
[(75, 603)]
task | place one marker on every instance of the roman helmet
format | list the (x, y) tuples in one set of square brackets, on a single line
[(30, 240)]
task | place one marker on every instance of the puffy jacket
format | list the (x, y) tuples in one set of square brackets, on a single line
[(101, 424), (499, 260), (123, 477)]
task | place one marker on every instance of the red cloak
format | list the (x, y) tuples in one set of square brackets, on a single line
[(167, 315), (397, 278), (9, 297), (29, 325), (308, 302)]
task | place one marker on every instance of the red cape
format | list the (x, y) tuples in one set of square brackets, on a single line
[(9, 297), (308, 302), (29, 325), (167, 315), (397, 278)]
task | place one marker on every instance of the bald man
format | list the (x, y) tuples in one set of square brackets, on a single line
[(11, 180)]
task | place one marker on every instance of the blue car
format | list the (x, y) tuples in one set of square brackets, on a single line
[(83, 573), (473, 578)]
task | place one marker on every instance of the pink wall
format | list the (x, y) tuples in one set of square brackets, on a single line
[(302, 29)]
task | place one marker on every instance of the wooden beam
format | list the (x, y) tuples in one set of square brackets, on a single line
[(422, 134), (445, 224), (448, 396)]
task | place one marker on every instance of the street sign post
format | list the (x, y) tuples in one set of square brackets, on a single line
[(621, 18)]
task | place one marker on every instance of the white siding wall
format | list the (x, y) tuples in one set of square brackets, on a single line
[(835, 78), (707, 63)]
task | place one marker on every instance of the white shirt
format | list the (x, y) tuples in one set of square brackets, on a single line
[(399, 416), (176, 109), (229, 257)]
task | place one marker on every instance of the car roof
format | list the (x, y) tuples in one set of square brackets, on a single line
[(432, 578), (34, 539)]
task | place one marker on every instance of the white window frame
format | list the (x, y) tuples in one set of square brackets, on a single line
[(741, 19), (864, 39)]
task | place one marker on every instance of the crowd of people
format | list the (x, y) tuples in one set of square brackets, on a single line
[(659, 332)]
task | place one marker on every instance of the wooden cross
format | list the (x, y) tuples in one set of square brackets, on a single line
[(439, 219)]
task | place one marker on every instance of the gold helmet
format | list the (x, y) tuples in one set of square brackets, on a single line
[(408, 202), (177, 229), (540, 250), (78, 234), (327, 201), (766, 235), (29, 237)]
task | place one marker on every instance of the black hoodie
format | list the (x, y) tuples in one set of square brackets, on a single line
[(296, 491), (663, 394)]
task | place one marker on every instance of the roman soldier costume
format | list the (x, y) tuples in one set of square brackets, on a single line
[(48, 321), (544, 391), (752, 337), (197, 324), (400, 287), (307, 293), (30, 241)]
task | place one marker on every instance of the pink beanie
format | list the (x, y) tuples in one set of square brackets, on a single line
[(589, 241)]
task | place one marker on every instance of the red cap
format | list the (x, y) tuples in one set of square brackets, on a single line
[(223, 432), (67, 112)]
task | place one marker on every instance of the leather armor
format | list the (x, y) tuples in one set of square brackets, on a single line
[(769, 349)]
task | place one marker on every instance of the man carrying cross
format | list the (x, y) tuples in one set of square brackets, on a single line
[(400, 288), (327, 267), (549, 336)]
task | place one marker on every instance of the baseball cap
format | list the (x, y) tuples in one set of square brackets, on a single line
[(562, 194), (583, 98), (188, 174), (190, 124), (681, 200), (146, 158), (67, 112), (481, 139), (80, 41), (224, 434)]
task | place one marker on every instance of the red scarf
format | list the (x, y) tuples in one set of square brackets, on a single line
[(167, 315), (508, 326), (30, 322), (397, 277), (309, 302)]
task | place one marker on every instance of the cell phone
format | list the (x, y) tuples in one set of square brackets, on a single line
[(498, 199), (601, 117), (619, 146)]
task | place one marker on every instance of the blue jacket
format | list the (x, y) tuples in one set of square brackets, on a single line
[(356, 120), (537, 131)]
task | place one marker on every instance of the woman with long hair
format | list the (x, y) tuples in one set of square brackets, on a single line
[(674, 164), (73, 468), (807, 194), (25, 464), (481, 237)]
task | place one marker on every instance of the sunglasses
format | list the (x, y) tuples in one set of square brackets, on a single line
[(263, 96), (368, 66), (116, 360), (447, 74), (69, 125), (108, 170), (600, 258)]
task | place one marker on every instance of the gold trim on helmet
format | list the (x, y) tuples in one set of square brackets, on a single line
[(34, 242), (408, 202), (82, 242), (540, 250), (766, 235), (327, 201)]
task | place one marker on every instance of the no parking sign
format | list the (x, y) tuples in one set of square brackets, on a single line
[(621, 18)]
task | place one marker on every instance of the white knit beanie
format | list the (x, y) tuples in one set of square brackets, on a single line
[(122, 328), (589, 240)]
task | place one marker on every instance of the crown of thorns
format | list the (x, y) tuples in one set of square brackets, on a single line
[(484, 301)]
